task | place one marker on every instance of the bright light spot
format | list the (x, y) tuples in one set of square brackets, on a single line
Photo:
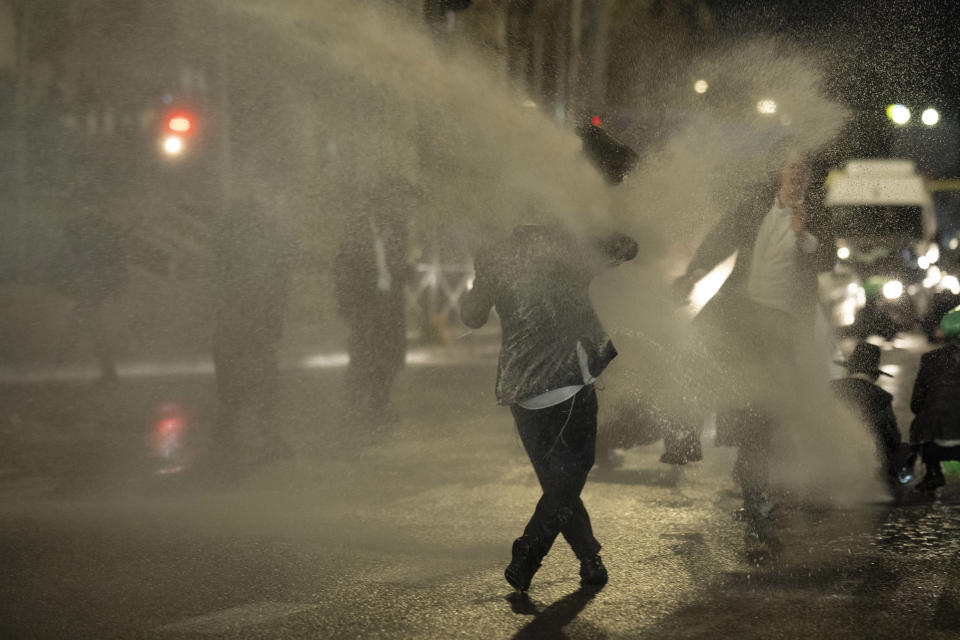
[(892, 289), (843, 253), (701, 86), (708, 285), (767, 107), (596, 121), (923, 262), (930, 117), (173, 145), (933, 253), (179, 124), (848, 311), (951, 282), (934, 275), (898, 113), (954, 243), (853, 288), (529, 104)]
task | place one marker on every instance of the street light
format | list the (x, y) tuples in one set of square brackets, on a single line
[(767, 106), (899, 113), (930, 117), (701, 86), (173, 145)]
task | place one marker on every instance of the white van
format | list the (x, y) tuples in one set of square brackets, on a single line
[(881, 197), (883, 217)]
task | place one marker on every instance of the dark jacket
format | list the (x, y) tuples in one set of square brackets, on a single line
[(254, 261), (936, 396), (539, 280), (355, 269), (873, 406), (737, 231)]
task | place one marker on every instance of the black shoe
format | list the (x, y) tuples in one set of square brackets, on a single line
[(592, 572), (931, 482), (525, 562)]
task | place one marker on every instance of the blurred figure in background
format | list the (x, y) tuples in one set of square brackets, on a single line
[(874, 407), (370, 271), (553, 349), (90, 267), (255, 252), (935, 430)]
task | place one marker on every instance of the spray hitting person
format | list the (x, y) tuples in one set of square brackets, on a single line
[(553, 348)]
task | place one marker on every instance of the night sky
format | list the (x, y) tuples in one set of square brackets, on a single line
[(874, 52)]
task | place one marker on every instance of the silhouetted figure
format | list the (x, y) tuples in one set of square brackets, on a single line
[(935, 430), (254, 259), (553, 349), (370, 271), (873, 406), (90, 268)]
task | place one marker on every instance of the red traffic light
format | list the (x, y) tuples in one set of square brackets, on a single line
[(596, 121), (180, 123)]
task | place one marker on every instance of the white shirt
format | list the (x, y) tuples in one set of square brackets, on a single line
[(774, 278)]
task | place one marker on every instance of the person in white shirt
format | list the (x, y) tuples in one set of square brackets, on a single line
[(762, 309)]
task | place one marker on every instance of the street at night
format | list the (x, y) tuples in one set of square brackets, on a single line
[(406, 537), (586, 319)]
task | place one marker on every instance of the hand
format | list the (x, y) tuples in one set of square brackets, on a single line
[(798, 220)]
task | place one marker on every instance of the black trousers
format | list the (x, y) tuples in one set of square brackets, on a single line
[(933, 454), (561, 444)]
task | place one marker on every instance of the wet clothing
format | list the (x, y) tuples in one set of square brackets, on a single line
[(874, 407), (936, 397), (370, 271), (539, 281), (560, 442), (757, 319), (738, 232), (774, 271)]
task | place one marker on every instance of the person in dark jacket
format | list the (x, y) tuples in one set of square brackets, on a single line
[(935, 429), (872, 405), (370, 270), (553, 348)]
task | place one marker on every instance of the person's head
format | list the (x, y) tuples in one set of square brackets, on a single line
[(794, 180), (950, 324), (865, 359)]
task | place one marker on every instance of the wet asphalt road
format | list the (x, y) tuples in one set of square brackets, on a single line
[(405, 535)]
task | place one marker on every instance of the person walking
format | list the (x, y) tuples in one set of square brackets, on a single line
[(935, 402), (553, 349), (370, 270)]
